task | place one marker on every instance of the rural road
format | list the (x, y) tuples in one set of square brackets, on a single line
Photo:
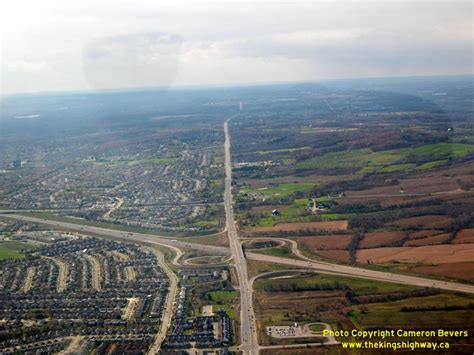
[(248, 326)]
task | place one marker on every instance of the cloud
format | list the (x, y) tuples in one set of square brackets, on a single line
[(143, 59), (26, 66), (61, 44)]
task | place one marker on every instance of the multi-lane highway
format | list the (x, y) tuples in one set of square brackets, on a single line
[(131, 237), (249, 341), (248, 330), (351, 271)]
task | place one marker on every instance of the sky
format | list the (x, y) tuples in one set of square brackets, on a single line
[(57, 45)]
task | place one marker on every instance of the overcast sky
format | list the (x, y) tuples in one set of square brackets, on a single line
[(75, 45)]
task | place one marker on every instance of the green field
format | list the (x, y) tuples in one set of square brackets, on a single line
[(259, 267), (12, 249), (222, 295), (384, 161), (356, 158), (218, 159), (227, 308), (280, 190), (275, 251), (397, 167), (317, 327), (296, 212), (378, 314), (334, 216), (225, 300), (431, 164), (285, 150), (442, 149)]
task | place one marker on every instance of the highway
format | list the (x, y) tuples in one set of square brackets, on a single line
[(249, 341), (248, 327), (131, 237), (351, 271), (215, 250)]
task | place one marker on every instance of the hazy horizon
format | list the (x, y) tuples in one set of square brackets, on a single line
[(234, 85)]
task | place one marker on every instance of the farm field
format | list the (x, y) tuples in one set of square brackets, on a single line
[(398, 198), (280, 190), (428, 221), (298, 226), (425, 312), (283, 150), (464, 236), (378, 239), (434, 240), (428, 252), (357, 158), (325, 242), (385, 161), (424, 254), (347, 303), (463, 271), (294, 212)]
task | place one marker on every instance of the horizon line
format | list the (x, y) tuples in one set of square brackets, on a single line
[(222, 85)]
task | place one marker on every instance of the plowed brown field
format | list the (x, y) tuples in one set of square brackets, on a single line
[(329, 225), (378, 239), (423, 234), (463, 271), (434, 240), (438, 254), (341, 255), (428, 221), (465, 236), (326, 242)]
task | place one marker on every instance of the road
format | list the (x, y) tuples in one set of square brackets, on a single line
[(248, 327), (74, 346), (345, 270), (122, 235), (249, 341), (306, 263), (168, 311), (169, 204), (115, 207)]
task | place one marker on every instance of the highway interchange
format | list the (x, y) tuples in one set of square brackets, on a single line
[(248, 332)]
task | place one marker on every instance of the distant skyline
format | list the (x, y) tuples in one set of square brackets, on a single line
[(56, 45)]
